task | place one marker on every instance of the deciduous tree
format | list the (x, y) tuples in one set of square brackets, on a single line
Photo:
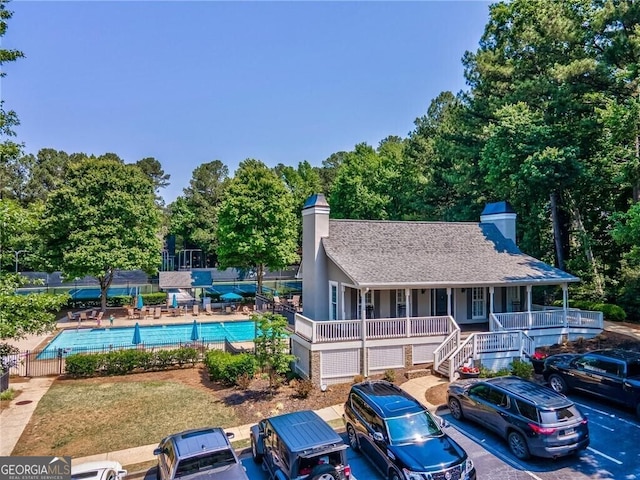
[(257, 222), (102, 219)]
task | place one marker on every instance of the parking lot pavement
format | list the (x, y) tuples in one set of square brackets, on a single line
[(614, 452)]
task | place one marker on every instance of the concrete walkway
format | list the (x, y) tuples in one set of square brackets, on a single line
[(14, 419)]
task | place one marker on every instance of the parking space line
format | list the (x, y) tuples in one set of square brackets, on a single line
[(591, 422), (609, 415), (509, 461), (597, 452)]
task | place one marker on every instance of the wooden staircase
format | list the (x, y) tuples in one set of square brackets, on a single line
[(443, 368)]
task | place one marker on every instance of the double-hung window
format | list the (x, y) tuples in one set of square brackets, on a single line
[(478, 304), (333, 301)]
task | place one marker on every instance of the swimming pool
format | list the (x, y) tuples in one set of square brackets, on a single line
[(94, 339)]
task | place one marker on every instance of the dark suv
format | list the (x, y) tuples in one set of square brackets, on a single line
[(200, 453), (299, 445), (533, 419), (610, 374), (400, 436)]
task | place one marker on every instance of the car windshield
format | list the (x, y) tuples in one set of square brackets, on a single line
[(411, 428), (208, 461)]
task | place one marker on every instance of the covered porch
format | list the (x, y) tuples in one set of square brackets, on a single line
[(404, 328)]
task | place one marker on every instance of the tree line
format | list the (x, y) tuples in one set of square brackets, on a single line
[(549, 121)]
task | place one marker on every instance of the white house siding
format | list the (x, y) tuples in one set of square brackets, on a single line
[(336, 275), (302, 358), (339, 366), (383, 358)]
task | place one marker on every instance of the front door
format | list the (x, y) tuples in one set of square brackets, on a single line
[(439, 302)]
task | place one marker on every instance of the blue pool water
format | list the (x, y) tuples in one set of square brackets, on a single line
[(94, 339)]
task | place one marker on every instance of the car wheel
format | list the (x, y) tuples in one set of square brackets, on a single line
[(324, 472), (557, 383), (518, 446), (455, 408), (257, 457), (353, 438), (393, 475)]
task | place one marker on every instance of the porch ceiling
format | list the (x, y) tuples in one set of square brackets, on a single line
[(392, 254)]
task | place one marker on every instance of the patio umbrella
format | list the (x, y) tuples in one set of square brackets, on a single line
[(136, 335), (174, 301), (194, 331), (140, 303), (230, 297)]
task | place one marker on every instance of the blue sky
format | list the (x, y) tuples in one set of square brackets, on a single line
[(192, 82)]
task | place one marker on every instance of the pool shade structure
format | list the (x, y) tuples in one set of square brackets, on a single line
[(230, 297), (140, 303), (174, 301), (194, 331), (137, 339)]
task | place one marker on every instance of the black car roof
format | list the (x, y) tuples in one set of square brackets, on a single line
[(386, 399), (304, 430), (191, 442), (617, 353), (539, 395)]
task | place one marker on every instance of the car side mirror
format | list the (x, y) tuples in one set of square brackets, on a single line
[(442, 423), (158, 451), (377, 436), (230, 435)]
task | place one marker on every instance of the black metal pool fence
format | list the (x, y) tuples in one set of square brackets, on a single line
[(38, 363)]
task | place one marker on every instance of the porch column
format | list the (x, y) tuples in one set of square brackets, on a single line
[(565, 302), (529, 288), (407, 298), (363, 317), (492, 292), (449, 301)]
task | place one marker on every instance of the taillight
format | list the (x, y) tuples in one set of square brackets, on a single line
[(584, 421), (347, 471), (541, 430)]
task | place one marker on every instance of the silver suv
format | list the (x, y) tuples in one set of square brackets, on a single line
[(200, 453)]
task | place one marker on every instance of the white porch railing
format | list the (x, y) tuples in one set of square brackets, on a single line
[(519, 343), (547, 319), (446, 348), (375, 328)]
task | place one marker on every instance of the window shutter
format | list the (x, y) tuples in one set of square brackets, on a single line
[(393, 311), (503, 306), (523, 299), (469, 312), (376, 304), (414, 303), (354, 303)]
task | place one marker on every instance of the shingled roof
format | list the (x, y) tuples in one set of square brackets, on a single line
[(392, 254)]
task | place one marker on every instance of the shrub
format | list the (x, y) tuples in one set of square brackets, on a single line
[(226, 368), (303, 387), (8, 394), (243, 381), (82, 365), (358, 379), (487, 373), (186, 355), (121, 362), (610, 311), (164, 359), (390, 375), (521, 369)]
